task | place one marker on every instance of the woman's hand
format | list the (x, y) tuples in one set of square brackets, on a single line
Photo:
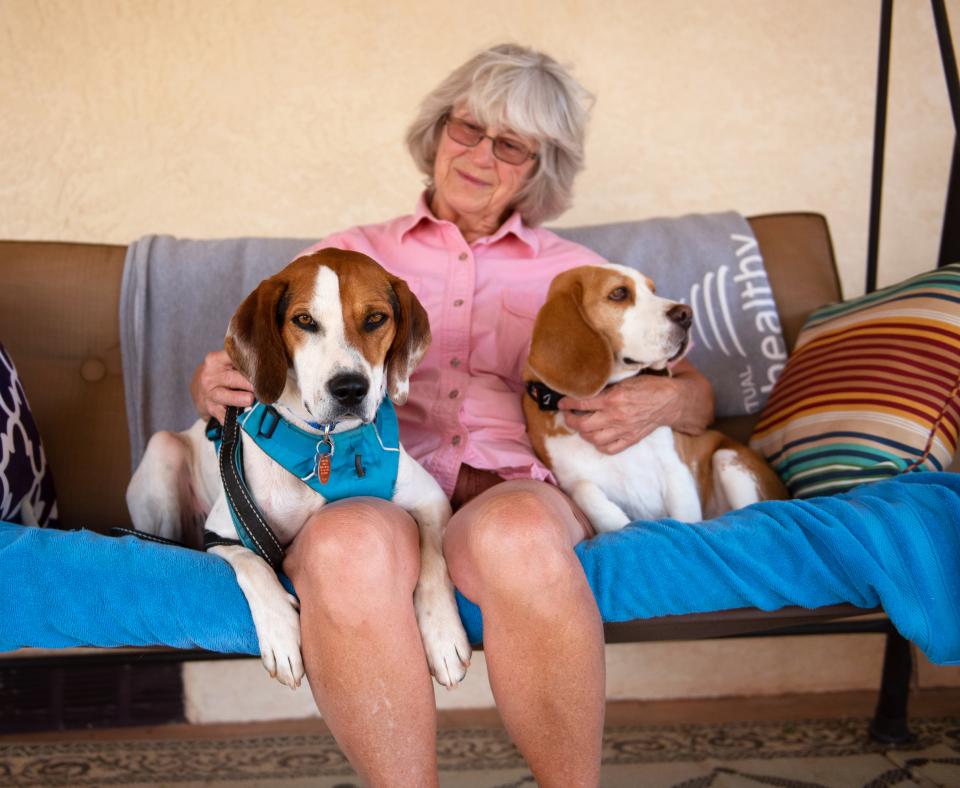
[(628, 411), (216, 384)]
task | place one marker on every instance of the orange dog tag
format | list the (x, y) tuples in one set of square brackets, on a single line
[(323, 469)]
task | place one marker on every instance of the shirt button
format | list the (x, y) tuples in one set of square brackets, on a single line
[(454, 362), (455, 440), (458, 302), (463, 256), (454, 394)]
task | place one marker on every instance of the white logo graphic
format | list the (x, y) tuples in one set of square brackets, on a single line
[(706, 322)]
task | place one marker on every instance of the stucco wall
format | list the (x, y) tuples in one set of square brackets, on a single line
[(229, 117)]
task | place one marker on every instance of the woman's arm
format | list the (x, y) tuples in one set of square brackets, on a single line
[(628, 411), (216, 384)]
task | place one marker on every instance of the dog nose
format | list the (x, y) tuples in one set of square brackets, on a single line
[(681, 314), (348, 388)]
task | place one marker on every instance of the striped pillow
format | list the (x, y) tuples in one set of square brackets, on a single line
[(870, 390)]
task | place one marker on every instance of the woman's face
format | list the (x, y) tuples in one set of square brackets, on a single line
[(473, 184)]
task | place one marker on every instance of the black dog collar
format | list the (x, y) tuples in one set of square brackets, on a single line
[(547, 399)]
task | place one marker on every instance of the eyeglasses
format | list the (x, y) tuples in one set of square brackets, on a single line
[(504, 148)]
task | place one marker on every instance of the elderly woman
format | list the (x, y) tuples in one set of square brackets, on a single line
[(500, 140)]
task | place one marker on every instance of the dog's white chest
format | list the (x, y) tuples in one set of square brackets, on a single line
[(285, 501), (638, 479)]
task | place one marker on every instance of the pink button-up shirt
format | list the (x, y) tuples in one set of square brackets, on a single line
[(482, 298)]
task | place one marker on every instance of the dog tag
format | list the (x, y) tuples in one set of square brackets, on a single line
[(323, 468), (323, 458)]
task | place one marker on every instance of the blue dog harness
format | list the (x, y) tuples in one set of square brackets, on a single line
[(361, 461)]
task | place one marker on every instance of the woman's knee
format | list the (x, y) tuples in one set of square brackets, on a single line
[(355, 549), (516, 533)]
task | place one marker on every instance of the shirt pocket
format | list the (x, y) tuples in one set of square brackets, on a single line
[(417, 288), (423, 297), (518, 312), (415, 284)]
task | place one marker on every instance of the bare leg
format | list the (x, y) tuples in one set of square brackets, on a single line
[(510, 550), (355, 566)]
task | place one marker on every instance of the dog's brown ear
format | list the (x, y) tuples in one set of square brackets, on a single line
[(566, 352), (254, 343), (410, 342)]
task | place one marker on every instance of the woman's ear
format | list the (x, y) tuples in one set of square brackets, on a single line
[(254, 342), (566, 352), (410, 342)]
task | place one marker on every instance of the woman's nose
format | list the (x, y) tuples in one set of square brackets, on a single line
[(482, 153)]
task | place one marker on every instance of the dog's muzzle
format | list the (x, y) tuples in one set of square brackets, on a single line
[(348, 395), (681, 316), (684, 343), (348, 388)]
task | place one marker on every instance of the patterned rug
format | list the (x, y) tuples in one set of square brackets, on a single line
[(805, 754)]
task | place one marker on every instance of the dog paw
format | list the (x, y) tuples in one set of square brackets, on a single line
[(279, 637), (444, 641), (448, 655)]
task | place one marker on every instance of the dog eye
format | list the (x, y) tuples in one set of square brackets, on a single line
[(374, 320), (618, 294), (304, 321)]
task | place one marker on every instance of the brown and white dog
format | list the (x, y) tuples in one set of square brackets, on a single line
[(323, 341), (601, 325)]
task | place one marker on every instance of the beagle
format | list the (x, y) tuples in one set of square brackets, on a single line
[(323, 341), (601, 325)]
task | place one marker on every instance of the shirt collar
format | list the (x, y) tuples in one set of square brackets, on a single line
[(512, 226)]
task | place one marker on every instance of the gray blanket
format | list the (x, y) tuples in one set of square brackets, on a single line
[(178, 296)]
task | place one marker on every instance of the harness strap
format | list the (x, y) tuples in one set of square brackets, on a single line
[(210, 539), (250, 522), (122, 531)]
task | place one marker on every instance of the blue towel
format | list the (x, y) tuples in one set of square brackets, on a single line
[(894, 543)]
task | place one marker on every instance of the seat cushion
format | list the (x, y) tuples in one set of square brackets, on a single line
[(58, 319)]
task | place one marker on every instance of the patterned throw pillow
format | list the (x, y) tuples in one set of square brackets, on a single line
[(26, 483), (871, 390)]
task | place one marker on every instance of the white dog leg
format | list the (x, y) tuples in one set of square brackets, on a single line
[(275, 612), (158, 495), (444, 639), (681, 496), (737, 484), (604, 514)]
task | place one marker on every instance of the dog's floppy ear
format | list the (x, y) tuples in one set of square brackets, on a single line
[(254, 343), (410, 342), (566, 352)]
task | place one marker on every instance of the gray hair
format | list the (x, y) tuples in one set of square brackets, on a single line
[(515, 87)]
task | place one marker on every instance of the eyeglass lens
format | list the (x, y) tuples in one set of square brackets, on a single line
[(505, 149)]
